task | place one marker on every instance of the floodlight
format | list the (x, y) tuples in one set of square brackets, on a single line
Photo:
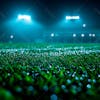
[(68, 17), (90, 34), (72, 17), (93, 35), (84, 25), (75, 17), (27, 17), (74, 35), (82, 35), (52, 34), (19, 17), (24, 17), (11, 36)]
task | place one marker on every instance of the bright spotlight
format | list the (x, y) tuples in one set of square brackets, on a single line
[(90, 34), (52, 34), (11, 36), (72, 17), (82, 35), (24, 17), (74, 35), (93, 35), (20, 17), (84, 25)]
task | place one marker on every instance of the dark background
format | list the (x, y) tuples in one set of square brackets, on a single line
[(51, 12)]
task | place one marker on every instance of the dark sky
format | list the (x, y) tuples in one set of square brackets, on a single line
[(51, 11)]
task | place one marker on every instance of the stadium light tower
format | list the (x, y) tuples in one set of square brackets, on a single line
[(72, 17), (26, 18)]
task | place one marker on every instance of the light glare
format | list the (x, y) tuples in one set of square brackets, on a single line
[(90, 35), (82, 35), (11, 36), (72, 17), (93, 35), (52, 34), (24, 17), (84, 25), (74, 35)]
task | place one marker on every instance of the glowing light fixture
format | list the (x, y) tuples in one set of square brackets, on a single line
[(24, 17), (82, 35), (52, 34), (11, 36), (72, 17), (93, 35), (90, 34), (84, 25), (74, 35)]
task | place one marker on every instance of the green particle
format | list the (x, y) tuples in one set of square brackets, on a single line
[(5, 94), (28, 79)]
